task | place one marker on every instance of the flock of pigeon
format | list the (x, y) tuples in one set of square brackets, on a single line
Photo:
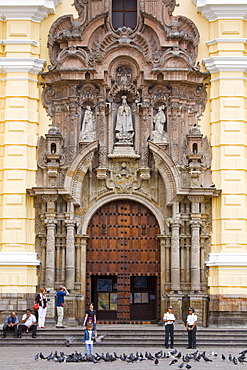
[(175, 358)]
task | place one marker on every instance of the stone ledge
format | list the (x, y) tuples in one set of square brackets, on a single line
[(227, 63), (226, 259), (29, 65), (213, 10), (34, 10), (19, 259)]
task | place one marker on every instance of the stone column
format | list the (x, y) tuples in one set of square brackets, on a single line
[(195, 256), (84, 239), (162, 239), (50, 254), (70, 255), (175, 256)]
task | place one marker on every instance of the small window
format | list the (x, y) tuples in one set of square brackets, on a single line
[(195, 148), (53, 148), (124, 13)]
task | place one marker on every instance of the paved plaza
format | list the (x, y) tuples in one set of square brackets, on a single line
[(17, 357)]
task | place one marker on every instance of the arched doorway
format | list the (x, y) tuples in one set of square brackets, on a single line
[(123, 262)]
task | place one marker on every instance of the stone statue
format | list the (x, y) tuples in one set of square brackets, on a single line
[(124, 118), (159, 134), (88, 126)]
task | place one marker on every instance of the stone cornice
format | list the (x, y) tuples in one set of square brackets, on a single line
[(227, 259), (35, 10), (19, 259), (222, 9), (226, 40), (227, 63), (29, 65)]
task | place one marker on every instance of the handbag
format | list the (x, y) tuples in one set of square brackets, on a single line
[(36, 306)]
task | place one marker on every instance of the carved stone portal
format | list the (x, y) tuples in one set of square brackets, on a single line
[(125, 106)]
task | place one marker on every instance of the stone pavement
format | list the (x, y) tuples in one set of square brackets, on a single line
[(16, 358)]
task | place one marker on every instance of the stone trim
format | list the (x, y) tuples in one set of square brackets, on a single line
[(112, 198), (34, 10), (227, 63), (226, 40), (29, 65), (19, 42), (19, 259), (213, 10), (226, 259)]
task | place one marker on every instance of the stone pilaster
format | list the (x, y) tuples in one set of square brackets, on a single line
[(175, 256), (162, 239), (195, 256), (84, 239), (50, 254), (70, 255)]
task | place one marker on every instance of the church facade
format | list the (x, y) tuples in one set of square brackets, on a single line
[(130, 156)]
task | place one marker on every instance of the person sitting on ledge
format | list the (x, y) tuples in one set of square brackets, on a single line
[(10, 324), (28, 323)]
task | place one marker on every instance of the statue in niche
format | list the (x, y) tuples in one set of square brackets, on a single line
[(159, 134), (88, 126), (124, 125)]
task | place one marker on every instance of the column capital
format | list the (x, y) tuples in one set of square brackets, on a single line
[(174, 222), (70, 223), (50, 223), (195, 224), (34, 10), (213, 10), (196, 198)]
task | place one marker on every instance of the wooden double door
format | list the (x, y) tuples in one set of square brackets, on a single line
[(123, 263)]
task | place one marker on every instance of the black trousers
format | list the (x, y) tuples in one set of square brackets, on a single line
[(169, 331), (192, 338), (22, 328), (6, 328)]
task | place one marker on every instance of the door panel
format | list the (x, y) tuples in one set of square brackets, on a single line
[(123, 244)]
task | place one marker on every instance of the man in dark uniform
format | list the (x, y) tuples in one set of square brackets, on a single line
[(191, 328)]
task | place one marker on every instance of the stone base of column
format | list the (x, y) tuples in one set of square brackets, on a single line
[(176, 301), (200, 303)]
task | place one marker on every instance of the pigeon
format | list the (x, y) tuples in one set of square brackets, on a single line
[(181, 365), (158, 354), (235, 361), (100, 338), (230, 357), (223, 357), (36, 357), (173, 362), (42, 356), (179, 355), (188, 366), (205, 358), (174, 352), (156, 361)]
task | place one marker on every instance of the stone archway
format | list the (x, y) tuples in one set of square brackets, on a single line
[(123, 262)]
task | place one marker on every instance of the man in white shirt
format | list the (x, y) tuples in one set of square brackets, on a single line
[(28, 323), (191, 328), (169, 320)]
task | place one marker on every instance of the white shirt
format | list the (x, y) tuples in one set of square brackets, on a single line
[(191, 319), (30, 320), (169, 316), (90, 340)]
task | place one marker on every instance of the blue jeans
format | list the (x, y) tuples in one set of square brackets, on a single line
[(89, 349)]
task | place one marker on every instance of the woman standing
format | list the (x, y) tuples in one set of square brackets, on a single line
[(42, 300), (90, 318)]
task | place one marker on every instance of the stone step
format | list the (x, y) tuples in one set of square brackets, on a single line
[(131, 335)]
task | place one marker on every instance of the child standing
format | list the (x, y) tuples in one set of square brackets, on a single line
[(88, 338)]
